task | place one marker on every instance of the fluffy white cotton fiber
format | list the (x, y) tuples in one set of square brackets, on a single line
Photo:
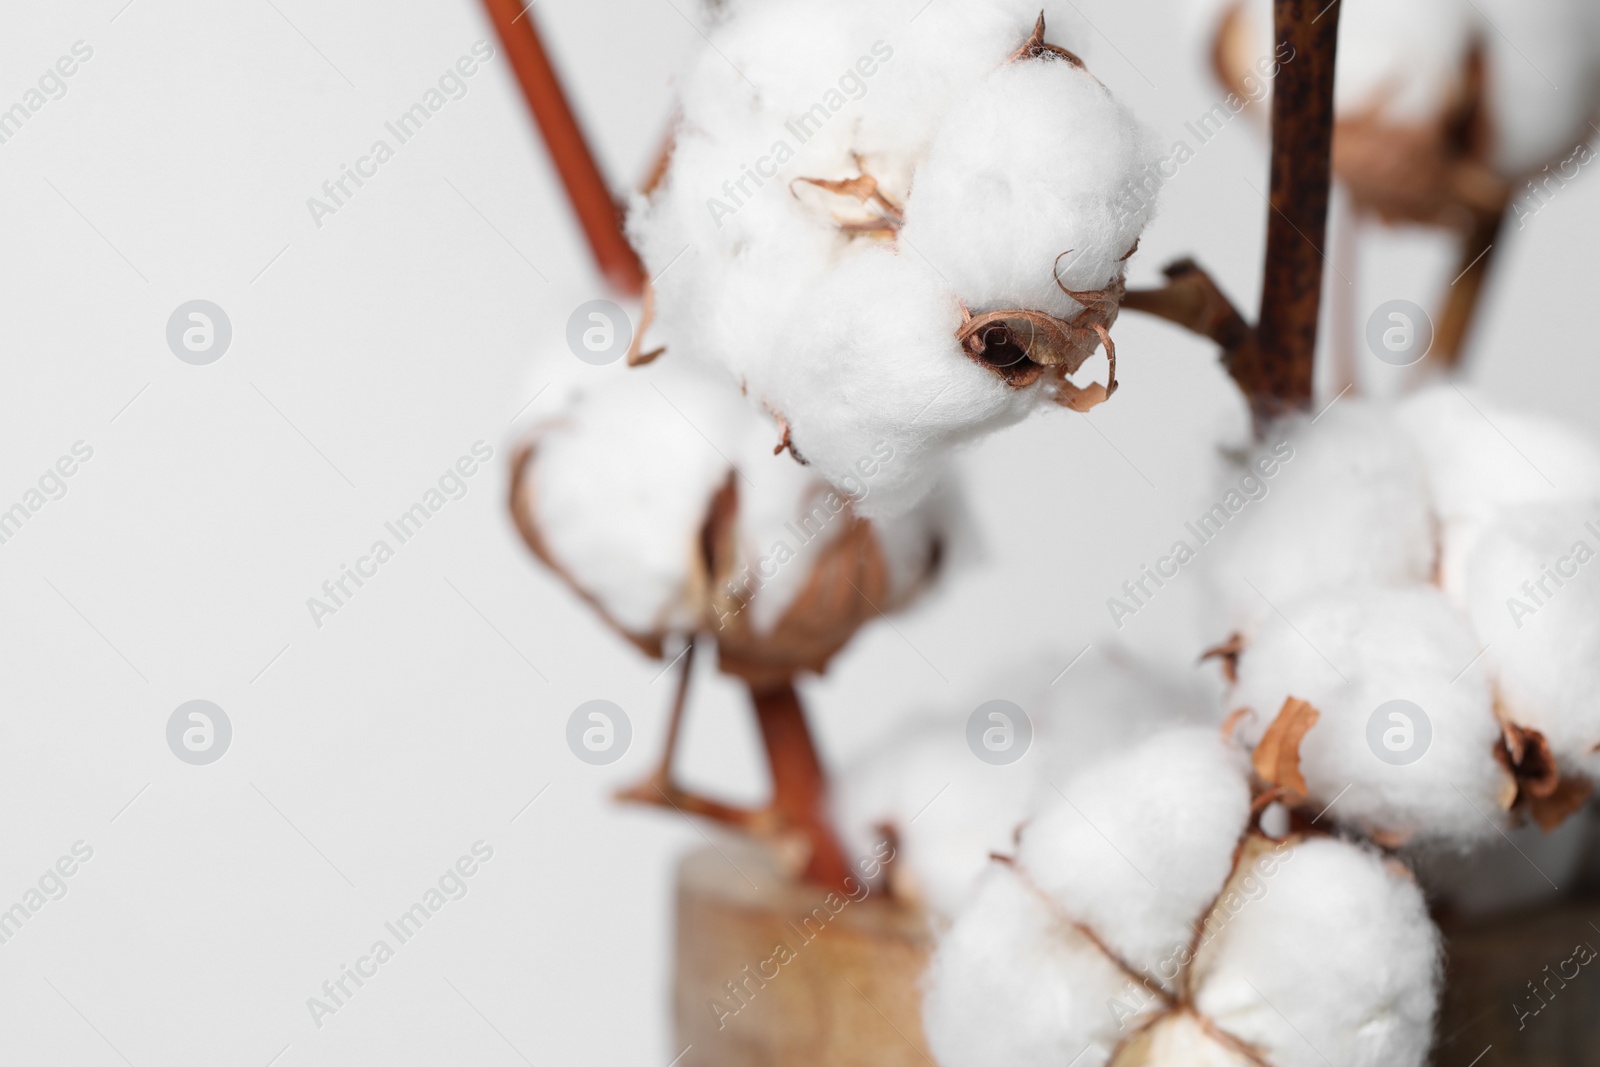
[(946, 809), (1532, 589), (622, 483), (1013, 983), (1335, 963), (1040, 164), (1349, 504), (1350, 653), (619, 489), (1124, 855), (996, 167), (1482, 456), (1311, 950), (949, 810)]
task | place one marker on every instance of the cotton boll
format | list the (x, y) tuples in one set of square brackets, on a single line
[(1350, 652), (1039, 162), (1482, 458), (1403, 61), (659, 500), (1343, 500), (622, 484), (1336, 962), (947, 810), (848, 338), (1138, 846), (1300, 952), (1012, 982), (1532, 590), (1543, 89)]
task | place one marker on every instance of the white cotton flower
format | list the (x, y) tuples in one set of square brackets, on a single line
[(657, 496), (1143, 921), (1532, 589), (1337, 962), (1351, 654), (822, 301), (1329, 503)]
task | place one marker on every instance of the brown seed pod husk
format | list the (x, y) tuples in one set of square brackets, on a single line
[(847, 585)]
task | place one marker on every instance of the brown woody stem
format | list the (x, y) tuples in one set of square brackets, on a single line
[(1278, 369), (591, 199), (799, 786), (1274, 361), (1461, 303)]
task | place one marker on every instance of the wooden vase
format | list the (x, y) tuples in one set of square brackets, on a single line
[(770, 973)]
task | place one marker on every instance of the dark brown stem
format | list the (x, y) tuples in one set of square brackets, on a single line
[(1280, 365), (1461, 303), (1274, 362), (799, 786), (597, 212)]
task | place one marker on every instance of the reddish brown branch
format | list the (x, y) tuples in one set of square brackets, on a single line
[(1461, 303), (597, 212), (799, 786)]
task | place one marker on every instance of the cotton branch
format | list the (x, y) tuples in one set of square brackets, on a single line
[(591, 199), (1273, 362)]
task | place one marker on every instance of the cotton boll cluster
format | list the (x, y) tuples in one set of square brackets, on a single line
[(1437, 109), (658, 499), (1145, 921), (915, 250), (1379, 570), (947, 810)]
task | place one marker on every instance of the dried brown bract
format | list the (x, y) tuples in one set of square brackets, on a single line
[(1021, 344), (881, 216), (1036, 47)]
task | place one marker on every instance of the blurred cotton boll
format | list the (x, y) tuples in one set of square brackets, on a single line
[(948, 810), (658, 498)]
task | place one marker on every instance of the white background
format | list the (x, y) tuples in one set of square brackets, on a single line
[(370, 353)]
